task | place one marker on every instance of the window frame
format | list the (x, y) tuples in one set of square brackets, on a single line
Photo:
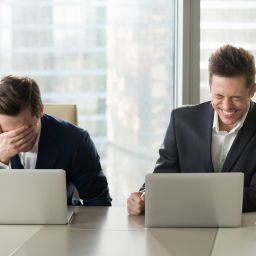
[(187, 53)]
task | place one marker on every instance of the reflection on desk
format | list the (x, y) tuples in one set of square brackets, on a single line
[(111, 231), (12, 237), (237, 241)]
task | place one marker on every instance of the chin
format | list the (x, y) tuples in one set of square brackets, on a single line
[(230, 123)]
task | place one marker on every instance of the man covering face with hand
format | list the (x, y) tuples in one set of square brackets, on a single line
[(31, 139)]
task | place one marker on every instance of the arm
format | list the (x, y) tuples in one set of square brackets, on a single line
[(87, 175)]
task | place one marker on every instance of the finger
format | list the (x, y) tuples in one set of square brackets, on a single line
[(134, 207), (23, 135), (16, 132), (142, 197), (27, 144), (131, 211), (23, 143), (18, 141), (136, 196)]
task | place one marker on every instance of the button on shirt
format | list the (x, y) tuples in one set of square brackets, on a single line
[(222, 141)]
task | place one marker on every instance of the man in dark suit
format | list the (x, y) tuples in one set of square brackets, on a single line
[(31, 139), (216, 136)]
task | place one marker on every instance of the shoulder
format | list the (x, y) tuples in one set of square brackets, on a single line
[(192, 111), (59, 128), (252, 107)]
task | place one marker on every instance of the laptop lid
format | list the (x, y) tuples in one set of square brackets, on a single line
[(33, 197), (194, 199)]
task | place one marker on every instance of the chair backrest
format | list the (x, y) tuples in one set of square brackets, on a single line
[(67, 112)]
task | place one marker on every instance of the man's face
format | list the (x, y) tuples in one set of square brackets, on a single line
[(230, 99), (24, 118)]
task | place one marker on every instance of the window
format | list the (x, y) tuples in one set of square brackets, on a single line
[(140, 88), (114, 59), (224, 22)]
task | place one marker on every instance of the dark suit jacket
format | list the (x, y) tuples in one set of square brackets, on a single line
[(187, 147), (65, 146)]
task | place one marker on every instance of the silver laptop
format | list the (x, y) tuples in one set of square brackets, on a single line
[(33, 197), (194, 199)]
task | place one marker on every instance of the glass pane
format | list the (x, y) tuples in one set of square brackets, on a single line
[(223, 22), (140, 88), (114, 59)]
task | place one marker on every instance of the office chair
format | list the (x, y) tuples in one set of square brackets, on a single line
[(67, 112)]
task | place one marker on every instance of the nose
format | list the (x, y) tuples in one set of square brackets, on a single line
[(227, 104)]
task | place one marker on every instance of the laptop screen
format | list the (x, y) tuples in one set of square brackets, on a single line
[(33, 196), (194, 199)]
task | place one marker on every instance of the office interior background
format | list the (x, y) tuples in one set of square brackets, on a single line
[(125, 64)]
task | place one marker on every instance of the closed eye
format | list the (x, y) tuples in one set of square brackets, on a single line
[(218, 96), (236, 98)]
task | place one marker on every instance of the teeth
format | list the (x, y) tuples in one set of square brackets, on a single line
[(228, 112)]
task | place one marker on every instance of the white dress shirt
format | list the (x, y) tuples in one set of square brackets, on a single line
[(222, 141)]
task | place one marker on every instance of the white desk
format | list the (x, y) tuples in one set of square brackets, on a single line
[(13, 237), (111, 231), (237, 241)]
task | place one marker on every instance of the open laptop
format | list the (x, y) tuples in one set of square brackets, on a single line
[(33, 197), (194, 199)]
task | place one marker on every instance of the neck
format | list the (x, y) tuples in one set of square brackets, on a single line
[(225, 127)]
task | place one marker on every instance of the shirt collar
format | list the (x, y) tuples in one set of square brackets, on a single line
[(215, 125)]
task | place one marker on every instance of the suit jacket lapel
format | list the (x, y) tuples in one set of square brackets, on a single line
[(205, 133), (47, 149), (242, 139)]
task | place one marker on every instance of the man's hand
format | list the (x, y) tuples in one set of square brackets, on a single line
[(136, 203), (19, 140)]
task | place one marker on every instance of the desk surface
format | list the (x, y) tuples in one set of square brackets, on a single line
[(111, 231), (237, 241), (12, 237)]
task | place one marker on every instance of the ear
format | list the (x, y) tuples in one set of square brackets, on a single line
[(41, 111), (253, 90)]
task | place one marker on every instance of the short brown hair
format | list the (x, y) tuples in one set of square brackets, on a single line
[(17, 93), (229, 61)]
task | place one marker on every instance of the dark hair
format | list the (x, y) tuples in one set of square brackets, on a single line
[(17, 93), (229, 61)]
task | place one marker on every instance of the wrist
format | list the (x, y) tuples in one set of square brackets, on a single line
[(5, 161)]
